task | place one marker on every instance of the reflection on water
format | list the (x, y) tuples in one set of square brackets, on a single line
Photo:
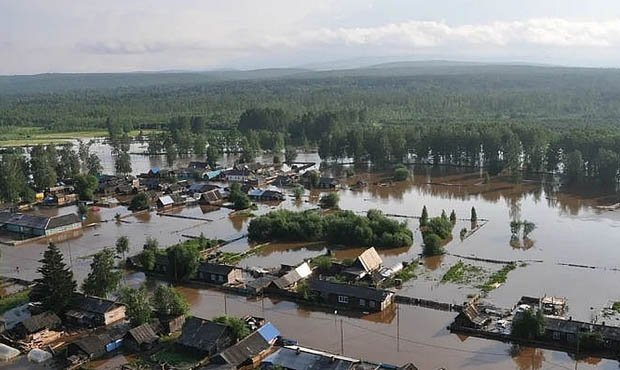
[(566, 228)]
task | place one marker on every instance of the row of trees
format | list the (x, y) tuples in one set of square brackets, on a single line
[(45, 166), (341, 227), (579, 154), (55, 288)]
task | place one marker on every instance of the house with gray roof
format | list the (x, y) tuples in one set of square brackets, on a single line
[(33, 225)]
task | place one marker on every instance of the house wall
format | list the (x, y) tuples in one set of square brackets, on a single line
[(212, 278), (114, 315), (75, 226), (354, 303)]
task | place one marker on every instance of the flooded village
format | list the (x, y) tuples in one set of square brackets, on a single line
[(318, 304)]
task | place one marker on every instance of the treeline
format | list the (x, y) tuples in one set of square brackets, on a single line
[(45, 167), (340, 227), (555, 97)]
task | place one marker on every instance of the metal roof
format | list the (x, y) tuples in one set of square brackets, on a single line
[(299, 358), (38, 222), (269, 332), (166, 200)]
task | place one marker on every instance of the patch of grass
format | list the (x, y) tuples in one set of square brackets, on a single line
[(229, 258), (616, 306), (20, 136), (173, 357), (14, 300), (407, 273), (462, 273), (498, 277)]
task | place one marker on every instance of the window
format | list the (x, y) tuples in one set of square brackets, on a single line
[(343, 299), (362, 302), (221, 277), (556, 335), (372, 304), (213, 277)]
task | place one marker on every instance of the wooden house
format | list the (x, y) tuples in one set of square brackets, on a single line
[(351, 296), (204, 337), (94, 311), (219, 274), (251, 350), (141, 338)]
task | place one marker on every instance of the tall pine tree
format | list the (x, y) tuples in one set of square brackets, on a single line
[(55, 288)]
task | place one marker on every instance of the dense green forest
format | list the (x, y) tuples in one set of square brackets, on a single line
[(555, 97), (508, 119)]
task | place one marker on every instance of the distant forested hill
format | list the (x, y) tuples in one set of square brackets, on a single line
[(394, 93)]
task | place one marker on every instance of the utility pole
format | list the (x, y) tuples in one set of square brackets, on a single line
[(341, 338), (225, 305), (262, 303), (397, 328)]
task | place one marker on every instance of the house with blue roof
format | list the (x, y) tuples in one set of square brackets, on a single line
[(250, 351)]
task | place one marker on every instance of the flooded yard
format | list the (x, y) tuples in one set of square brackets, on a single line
[(569, 231)]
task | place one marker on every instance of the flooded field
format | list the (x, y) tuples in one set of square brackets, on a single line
[(569, 230)]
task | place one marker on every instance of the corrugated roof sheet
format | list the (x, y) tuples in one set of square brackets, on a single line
[(269, 332), (299, 358)]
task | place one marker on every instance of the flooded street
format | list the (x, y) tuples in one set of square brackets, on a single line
[(568, 231)]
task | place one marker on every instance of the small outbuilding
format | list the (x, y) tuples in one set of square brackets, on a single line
[(141, 338)]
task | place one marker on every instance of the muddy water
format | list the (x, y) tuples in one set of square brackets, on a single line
[(423, 338), (568, 230)]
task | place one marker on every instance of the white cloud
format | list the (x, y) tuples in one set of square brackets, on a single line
[(116, 35), (541, 32)]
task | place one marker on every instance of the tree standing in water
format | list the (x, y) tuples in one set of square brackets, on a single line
[(103, 278), (424, 217)]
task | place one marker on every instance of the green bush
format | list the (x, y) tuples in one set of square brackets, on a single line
[(432, 245), (401, 173), (342, 227), (329, 201), (139, 202)]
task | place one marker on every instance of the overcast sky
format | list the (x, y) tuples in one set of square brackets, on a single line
[(139, 35)]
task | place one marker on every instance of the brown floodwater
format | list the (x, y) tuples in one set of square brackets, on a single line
[(569, 230)]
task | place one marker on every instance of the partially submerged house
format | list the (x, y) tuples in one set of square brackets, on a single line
[(211, 196), (569, 332), (251, 350), (289, 280), (555, 306), (214, 273), (266, 194), (351, 296), (328, 183), (365, 264), (242, 174), (32, 225), (94, 311), (165, 202), (471, 317), (141, 338), (204, 337)]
